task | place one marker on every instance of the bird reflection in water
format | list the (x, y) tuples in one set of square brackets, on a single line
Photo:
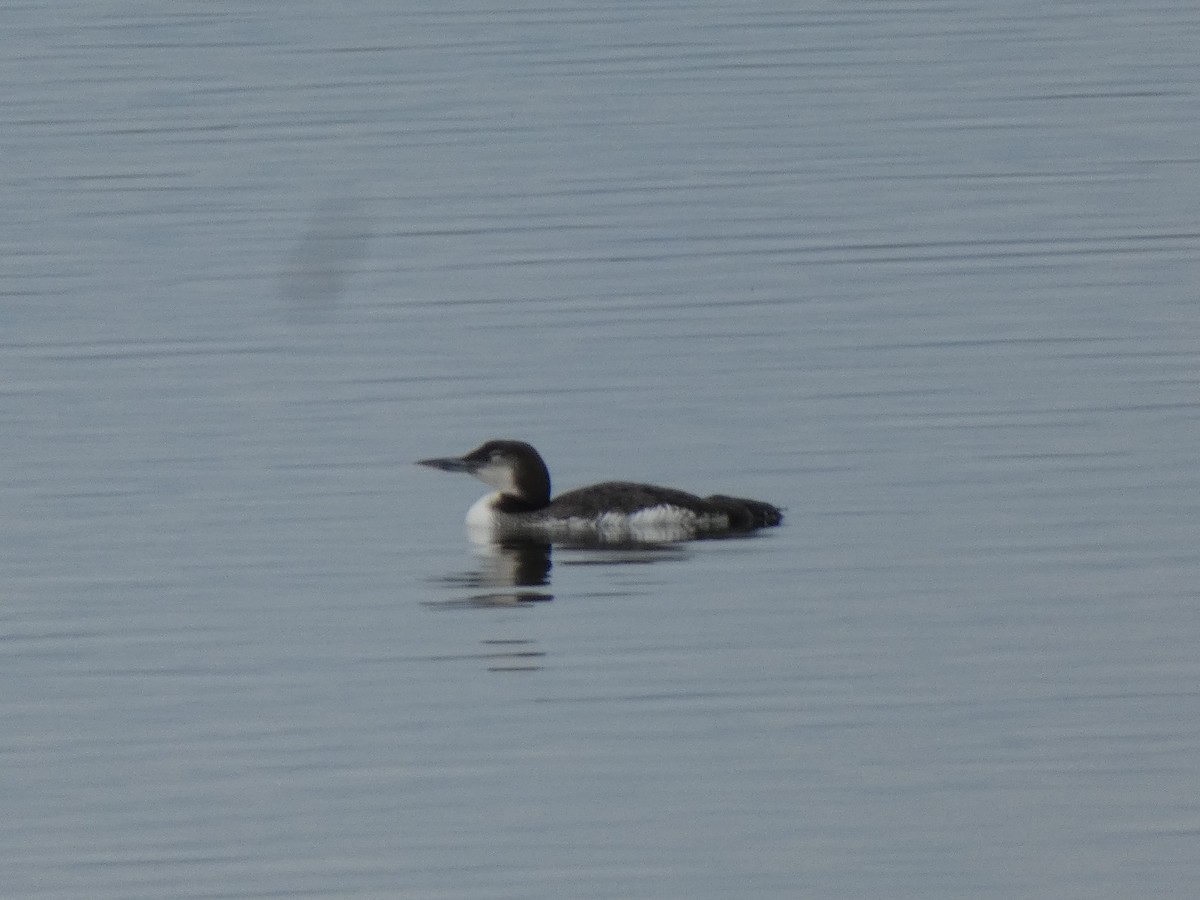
[(513, 572), (508, 574), (512, 569)]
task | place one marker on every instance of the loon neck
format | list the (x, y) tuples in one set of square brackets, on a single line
[(528, 487)]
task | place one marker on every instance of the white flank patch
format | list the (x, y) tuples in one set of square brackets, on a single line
[(658, 524)]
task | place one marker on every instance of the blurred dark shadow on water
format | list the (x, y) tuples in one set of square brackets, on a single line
[(335, 240)]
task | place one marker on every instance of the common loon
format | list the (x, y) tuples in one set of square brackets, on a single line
[(613, 510)]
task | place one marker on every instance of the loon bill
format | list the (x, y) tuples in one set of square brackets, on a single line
[(613, 509)]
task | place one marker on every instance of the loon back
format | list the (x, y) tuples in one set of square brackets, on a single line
[(629, 498), (522, 499)]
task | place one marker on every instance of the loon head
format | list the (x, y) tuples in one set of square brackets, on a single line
[(513, 468)]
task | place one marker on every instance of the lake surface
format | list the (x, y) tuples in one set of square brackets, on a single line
[(923, 273)]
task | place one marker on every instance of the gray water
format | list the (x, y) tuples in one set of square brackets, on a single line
[(923, 273)]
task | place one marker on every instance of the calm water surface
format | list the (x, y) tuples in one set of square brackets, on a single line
[(924, 274)]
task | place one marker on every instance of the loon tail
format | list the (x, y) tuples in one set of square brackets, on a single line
[(746, 515)]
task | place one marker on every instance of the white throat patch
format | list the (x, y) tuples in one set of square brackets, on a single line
[(497, 475)]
